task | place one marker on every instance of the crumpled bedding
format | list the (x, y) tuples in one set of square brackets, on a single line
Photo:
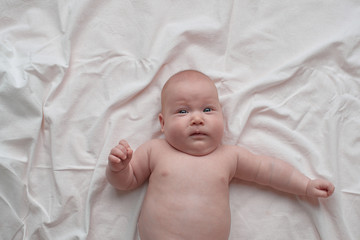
[(78, 76)]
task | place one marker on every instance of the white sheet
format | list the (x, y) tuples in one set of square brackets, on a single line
[(78, 76)]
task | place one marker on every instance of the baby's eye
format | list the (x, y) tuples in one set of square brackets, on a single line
[(182, 111), (207, 109)]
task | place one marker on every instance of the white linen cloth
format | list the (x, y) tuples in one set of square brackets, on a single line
[(78, 76)]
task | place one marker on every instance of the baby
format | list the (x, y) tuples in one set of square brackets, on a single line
[(190, 170)]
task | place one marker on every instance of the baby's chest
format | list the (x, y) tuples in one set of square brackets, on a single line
[(194, 171)]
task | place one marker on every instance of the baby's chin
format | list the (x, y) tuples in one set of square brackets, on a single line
[(196, 150)]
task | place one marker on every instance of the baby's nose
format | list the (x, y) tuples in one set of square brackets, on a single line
[(197, 119)]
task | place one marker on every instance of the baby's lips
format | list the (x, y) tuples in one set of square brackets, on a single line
[(198, 132)]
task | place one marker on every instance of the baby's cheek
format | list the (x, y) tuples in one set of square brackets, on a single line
[(174, 131), (219, 129), (178, 126)]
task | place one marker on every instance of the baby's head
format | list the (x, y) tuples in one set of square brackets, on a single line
[(191, 117)]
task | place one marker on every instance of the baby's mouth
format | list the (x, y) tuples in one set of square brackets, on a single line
[(197, 133)]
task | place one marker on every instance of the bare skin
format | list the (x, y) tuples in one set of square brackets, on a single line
[(190, 170)]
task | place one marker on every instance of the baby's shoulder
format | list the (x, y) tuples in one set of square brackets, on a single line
[(156, 144), (234, 151)]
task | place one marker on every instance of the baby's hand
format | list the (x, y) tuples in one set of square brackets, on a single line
[(319, 188), (120, 156)]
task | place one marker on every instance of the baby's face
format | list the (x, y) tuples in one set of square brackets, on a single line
[(191, 118)]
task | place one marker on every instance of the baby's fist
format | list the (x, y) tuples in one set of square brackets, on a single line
[(319, 188), (120, 156)]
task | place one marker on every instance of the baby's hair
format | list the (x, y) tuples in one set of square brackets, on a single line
[(179, 76)]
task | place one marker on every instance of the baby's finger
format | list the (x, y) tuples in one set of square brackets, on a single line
[(113, 159), (129, 153), (321, 193), (124, 143), (324, 185), (119, 151), (324, 189), (331, 190)]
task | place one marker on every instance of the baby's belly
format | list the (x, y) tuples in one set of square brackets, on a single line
[(185, 216)]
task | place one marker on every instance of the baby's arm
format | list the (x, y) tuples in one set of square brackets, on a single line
[(123, 174), (279, 175)]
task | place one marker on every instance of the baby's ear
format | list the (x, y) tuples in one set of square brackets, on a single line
[(161, 119)]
